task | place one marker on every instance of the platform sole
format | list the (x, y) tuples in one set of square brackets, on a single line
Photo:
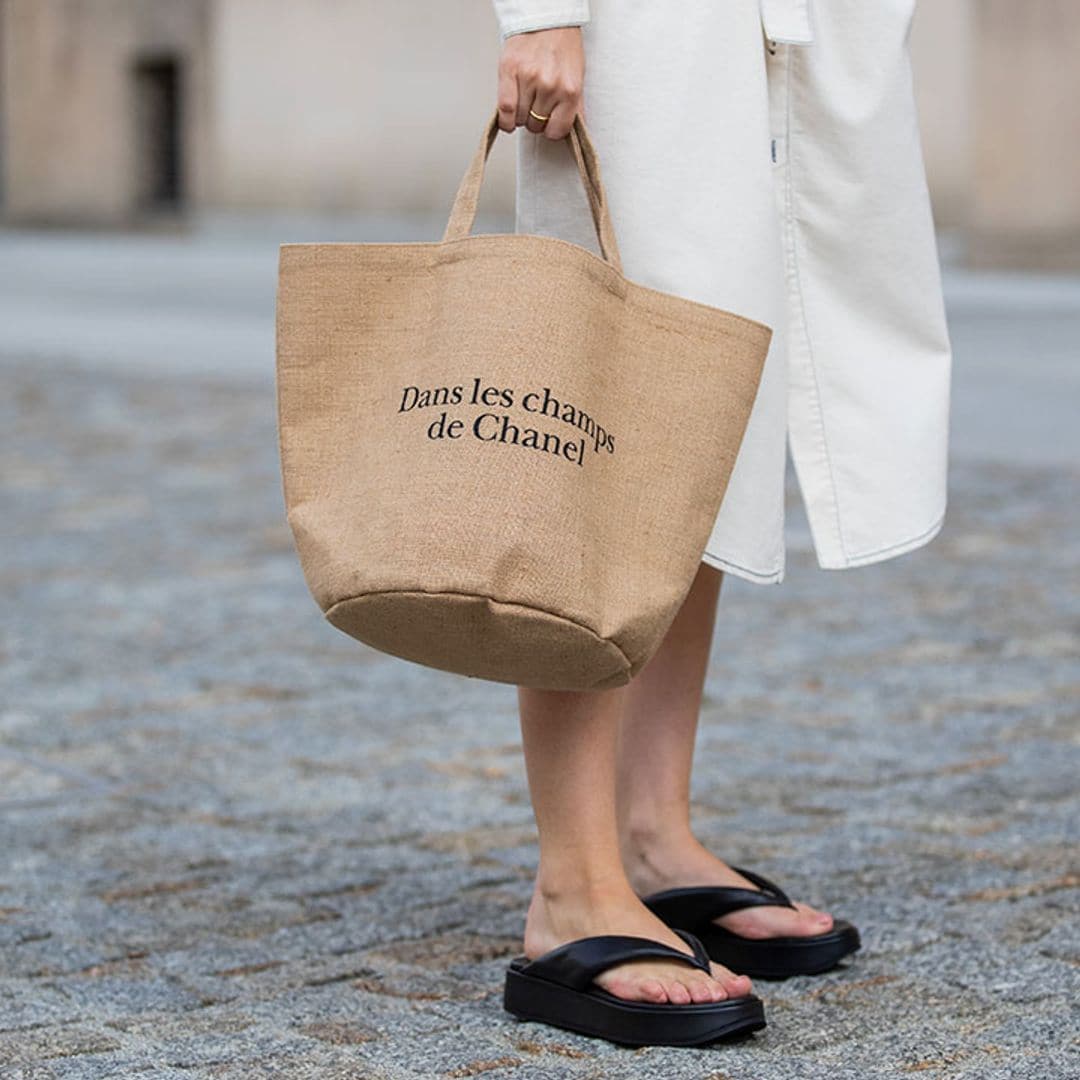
[(630, 1023), (781, 958)]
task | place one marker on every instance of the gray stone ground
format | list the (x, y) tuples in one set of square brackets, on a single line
[(238, 844)]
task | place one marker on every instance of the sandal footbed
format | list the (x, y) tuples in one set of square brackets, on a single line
[(781, 957), (593, 1011)]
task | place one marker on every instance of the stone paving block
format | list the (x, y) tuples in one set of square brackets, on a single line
[(41, 1044), (25, 1005), (28, 1072)]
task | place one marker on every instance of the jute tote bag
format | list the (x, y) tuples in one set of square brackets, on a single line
[(500, 457)]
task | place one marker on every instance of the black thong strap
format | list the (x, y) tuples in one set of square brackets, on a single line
[(577, 963), (697, 905)]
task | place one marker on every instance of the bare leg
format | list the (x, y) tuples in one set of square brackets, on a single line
[(655, 754), (581, 887)]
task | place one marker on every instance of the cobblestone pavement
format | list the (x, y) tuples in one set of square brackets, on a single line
[(238, 844)]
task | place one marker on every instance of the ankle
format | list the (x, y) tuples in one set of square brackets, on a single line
[(642, 838), (588, 885), (564, 908), (655, 853)]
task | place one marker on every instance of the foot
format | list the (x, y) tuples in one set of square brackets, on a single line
[(558, 916), (654, 863)]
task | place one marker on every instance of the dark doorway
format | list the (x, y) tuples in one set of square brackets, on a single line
[(158, 133)]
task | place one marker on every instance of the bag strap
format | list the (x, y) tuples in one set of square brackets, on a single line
[(464, 210)]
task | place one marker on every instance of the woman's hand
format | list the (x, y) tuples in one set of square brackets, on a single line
[(542, 70)]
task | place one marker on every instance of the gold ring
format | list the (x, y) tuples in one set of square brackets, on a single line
[(537, 116)]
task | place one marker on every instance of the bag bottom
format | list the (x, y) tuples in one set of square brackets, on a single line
[(473, 634)]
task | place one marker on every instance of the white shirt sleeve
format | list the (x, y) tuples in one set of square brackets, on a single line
[(518, 16)]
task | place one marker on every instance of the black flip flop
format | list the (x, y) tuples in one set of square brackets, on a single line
[(557, 988), (693, 908)]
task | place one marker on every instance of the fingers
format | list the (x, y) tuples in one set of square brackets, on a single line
[(547, 104), (542, 71), (507, 99), (561, 119), (527, 102)]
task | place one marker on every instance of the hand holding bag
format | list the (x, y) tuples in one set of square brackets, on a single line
[(501, 457)]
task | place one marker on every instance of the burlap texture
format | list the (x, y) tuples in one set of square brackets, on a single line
[(534, 510)]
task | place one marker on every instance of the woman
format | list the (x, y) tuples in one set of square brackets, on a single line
[(761, 157)]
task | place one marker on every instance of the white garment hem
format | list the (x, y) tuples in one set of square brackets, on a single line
[(767, 577), (867, 558), (550, 22)]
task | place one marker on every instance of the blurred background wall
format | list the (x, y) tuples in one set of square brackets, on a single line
[(123, 112), (105, 108), (999, 103)]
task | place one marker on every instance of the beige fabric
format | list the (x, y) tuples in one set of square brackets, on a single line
[(535, 508)]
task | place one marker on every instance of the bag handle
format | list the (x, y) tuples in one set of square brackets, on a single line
[(463, 213)]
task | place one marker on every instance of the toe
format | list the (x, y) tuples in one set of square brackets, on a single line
[(819, 922), (733, 985), (701, 990), (634, 988), (678, 993), (652, 990)]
